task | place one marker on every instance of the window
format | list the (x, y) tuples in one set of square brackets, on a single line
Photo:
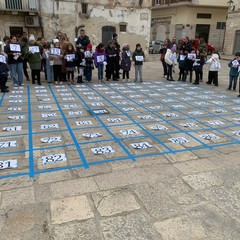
[(123, 27), (13, 4), (157, 2), (204, 15), (221, 25), (84, 8)]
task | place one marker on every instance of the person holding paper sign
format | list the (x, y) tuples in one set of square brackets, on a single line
[(56, 55), (198, 66), (100, 60), (33, 56), (171, 61), (126, 62), (70, 62), (138, 58), (15, 61), (233, 73), (3, 70)]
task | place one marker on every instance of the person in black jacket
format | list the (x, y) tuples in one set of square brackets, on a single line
[(15, 61), (117, 48), (198, 63), (111, 54), (83, 40)]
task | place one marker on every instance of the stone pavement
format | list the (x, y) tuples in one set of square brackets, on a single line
[(151, 161)]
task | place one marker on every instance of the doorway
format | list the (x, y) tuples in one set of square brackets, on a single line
[(107, 33), (237, 42), (202, 31), (16, 31)]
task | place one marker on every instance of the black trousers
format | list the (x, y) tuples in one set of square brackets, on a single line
[(70, 74), (198, 75), (169, 71), (57, 73), (25, 69), (36, 76), (164, 68), (110, 71), (213, 77), (125, 73), (3, 81)]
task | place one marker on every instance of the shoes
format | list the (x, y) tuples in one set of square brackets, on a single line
[(28, 79), (60, 83), (128, 80), (4, 90), (135, 80), (39, 84), (6, 87), (22, 84), (56, 82), (141, 80), (228, 89), (196, 83), (15, 85), (124, 80), (99, 81), (234, 90), (215, 85), (208, 83)]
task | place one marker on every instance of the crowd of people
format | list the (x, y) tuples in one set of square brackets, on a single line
[(59, 59)]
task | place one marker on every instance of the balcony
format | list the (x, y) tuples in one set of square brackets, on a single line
[(19, 6), (169, 2)]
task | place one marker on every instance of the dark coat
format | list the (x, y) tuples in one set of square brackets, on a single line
[(138, 53), (10, 53), (126, 60), (83, 41), (111, 54)]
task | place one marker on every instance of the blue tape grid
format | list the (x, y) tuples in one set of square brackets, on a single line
[(119, 139)]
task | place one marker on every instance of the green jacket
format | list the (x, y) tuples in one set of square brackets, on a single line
[(33, 57)]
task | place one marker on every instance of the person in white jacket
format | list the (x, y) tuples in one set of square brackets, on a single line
[(171, 60), (214, 66)]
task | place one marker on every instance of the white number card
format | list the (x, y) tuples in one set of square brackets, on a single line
[(102, 150), (2, 59), (34, 49), (70, 57), (15, 48), (55, 51), (8, 164), (54, 158), (139, 58), (100, 58)]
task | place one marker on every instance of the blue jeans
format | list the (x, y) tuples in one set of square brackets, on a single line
[(233, 81), (16, 70), (88, 74), (100, 71)]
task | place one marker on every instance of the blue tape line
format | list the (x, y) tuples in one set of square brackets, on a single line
[(30, 138), (70, 131), (14, 175), (106, 128)]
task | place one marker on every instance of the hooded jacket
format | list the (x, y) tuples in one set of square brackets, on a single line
[(170, 57), (213, 62)]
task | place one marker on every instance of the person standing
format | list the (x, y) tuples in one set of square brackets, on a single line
[(3, 70), (117, 48), (138, 58), (233, 73), (100, 60), (171, 60), (83, 40), (111, 61), (15, 61), (33, 56), (198, 63), (126, 62), (24, 43), (163, 52), (88, 56), (70, 62)]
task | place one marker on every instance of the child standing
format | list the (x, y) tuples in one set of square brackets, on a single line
[(233, 73), (88, 55), (69, 57), (181, 65), (3, 71), (138, 58), (81, 63), (49, 67), (198, 63), (170, 59), (214, 66), (126, 62), (100, 60)]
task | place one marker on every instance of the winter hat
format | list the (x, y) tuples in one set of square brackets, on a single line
[(55, 40), (89, 46), (32, 38), (237, 54), (138, 45), (174, 48)]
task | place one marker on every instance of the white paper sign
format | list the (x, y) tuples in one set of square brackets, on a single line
[(122, 103), (195, 113), (49, 126), (88, 93), (15, 48), (17, 91), (65, 94), (219, 111), (102, 150), (135, 96), (114, 120), (16, 117), (68, 99), (2, 59), (100, 58), (129, 109), (71, 106), (94, 98), (156, 107), (101, 111), (129, 132), (48, 115), (8, 144), (191, 56), (141, 145), (235, 63), (62, 90), (159, 128), (15, 101), (145, 101), (178, 106), (83, 123), (187, 125), (54, 158), (15, 96), (97, 104), (45, 107), (178, 140), (8, 164), (139, 58), (75, 113), (15, 109), (55, 51), (12, 128), (116, 97), (92, 135), (34, 49), (216, 122), (45, 99), (170, 115), (145, 117), (41, 91), (182, 57), (51, 139), (237, 133), (209, 136), (70, 57)]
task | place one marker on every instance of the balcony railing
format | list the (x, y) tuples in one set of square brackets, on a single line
[(19, 5), (168, 2)]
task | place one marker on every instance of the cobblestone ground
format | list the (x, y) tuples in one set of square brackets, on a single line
[(155, 160)]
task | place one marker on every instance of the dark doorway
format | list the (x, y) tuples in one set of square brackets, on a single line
[(107, 32), (237, 42), (202, 31), (16, 31)]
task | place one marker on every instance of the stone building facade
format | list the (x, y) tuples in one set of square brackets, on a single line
[(130, 19), (232, 37), (192, 18)]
